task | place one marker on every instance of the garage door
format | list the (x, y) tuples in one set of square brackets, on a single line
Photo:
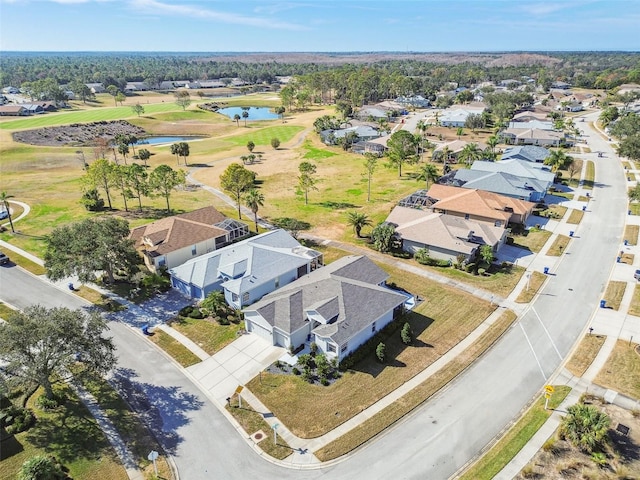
[(279, 339), (259, 330)]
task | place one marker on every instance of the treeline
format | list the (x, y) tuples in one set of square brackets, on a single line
[(604, 70)]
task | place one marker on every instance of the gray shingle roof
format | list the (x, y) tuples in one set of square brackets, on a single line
[(532, 153)]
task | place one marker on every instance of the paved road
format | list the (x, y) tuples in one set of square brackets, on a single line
[(437, 439)]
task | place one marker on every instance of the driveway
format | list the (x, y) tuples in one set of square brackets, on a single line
[(234, 365)]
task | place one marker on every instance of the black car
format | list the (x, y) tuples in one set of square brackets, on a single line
[(3, 259)]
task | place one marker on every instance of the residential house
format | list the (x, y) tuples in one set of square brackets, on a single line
[(560, 85), (529, 153), (13, 110), (479, 205), (171, 241), (211, 84), (456, 116), (532, 124), (524, 188), (11, 90), (363, 133), (96, 87), (413, 101), (520, 168), (372, 112), (33, 108), (338, 307), (622, 89), (572, 106), (136, 87), (528, 116), (454, 148), (445, 236), (377, 146), (247, 270), (531, 136)]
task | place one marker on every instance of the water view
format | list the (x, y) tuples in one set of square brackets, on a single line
[(255, 113), (163, 140)]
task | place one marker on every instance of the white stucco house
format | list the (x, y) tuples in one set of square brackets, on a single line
[(339, 307), (247, 270)]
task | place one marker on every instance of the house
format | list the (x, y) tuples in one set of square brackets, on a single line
[(454, 118), (171, 241), (13, 110), (528, 189), (529, 153), (339, 307), (414, 101), (479, 205), (377, 146), (363, 132), (528, 116), (532, 124), (531, 136), (247, 270), (445, 236), (454, 148), (96, 87), (560, 85), (572, 106), (520, 168), (11, 90), (373, 112), (211, 84), (136, 87)]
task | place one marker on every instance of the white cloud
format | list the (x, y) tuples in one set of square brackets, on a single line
[(158, 8)]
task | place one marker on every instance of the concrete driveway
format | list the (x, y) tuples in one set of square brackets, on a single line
[(234, 365)]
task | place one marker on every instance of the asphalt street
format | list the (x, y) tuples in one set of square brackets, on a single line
[(437, 439)]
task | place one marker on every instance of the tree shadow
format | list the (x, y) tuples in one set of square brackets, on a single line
[(9, 446), (624, 445), (338, 205), (163, 409)]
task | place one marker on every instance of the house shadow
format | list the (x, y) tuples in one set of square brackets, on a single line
[(164, 409), (9, 445), (624, 445)]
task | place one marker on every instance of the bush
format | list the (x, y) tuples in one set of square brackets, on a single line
[(325, 381), (184, 312), (47, 403), (406, 334), (295, 371), (481, 271), (313, 348), (16, 419), (470, 267), (381, 351), (196, 314)]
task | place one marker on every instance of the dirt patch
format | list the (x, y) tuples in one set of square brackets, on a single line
[(558, 459), (77, 134)]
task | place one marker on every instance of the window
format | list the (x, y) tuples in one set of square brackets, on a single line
[(245, 298), (373, 327), (162, 261), (498, 223), (466, 216), (331, 348), (234, 297), (193, 250), (344, 347)]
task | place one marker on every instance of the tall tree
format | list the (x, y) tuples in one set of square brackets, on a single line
[(245, 115), (236, 180), (280, 111), (558, 160), (470, 153), (254, 200), (164, 179), (89, 246), (402, 149), (370, 164), (123, 149), (358, 221), (250, 145), (382, 236), (120, 176), (100, 174), (183, 99), (307, 180), (429, 173), (137, 182), (120, 97), (137, 109), (144, 155), (37, 344), (4, 198), (175, 150), (236, 118), (113, 90)]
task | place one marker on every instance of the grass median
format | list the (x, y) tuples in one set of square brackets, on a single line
[(174, 348), (614, 294), (516, 437), (622, 369), (584, 355), (533, 285)]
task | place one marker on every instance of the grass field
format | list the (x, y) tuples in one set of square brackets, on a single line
[(621, 372), (263, 136), (614, 293), (79, 446), (208, 335), (174, 348)]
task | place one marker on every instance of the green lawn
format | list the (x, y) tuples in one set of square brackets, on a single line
[(589, 176), (208, 335), (314, 153), (263, 136), (174, 348), (533, 241), (70, 434)]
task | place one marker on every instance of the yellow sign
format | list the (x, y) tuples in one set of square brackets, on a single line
[(239, 389), (547, 395), (549, 389)]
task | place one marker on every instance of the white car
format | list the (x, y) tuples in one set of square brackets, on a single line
[(4, 214)]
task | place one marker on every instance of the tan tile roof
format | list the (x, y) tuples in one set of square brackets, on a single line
[(173, 233), (456, 146), (477, 202)]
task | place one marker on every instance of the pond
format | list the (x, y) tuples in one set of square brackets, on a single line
[(164, 140), (255, 113)]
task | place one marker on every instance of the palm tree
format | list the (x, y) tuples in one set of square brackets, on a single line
[(470, 153), (585, 426), (429, 173), (492, 143), (245, 115), (4, 198), (358, 220), (558, 160), (254, 200), (236, 118)]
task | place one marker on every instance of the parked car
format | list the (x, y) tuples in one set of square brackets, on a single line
[(636, 275), (4, 214), (3, 258)]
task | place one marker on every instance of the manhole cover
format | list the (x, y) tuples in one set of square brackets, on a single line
[(258, 436)]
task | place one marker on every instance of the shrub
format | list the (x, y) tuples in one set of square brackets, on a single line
[(196, 314), (47, 403), (529, 472), (295, 371), (381, 351), (314, 348), (470, 267), (481, 271), (223, 320), (599, 458), (324, 381), (551, 446), (16, 419), (184, 312), (406, 334)]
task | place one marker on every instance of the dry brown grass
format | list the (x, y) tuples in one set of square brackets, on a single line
[(585, 354), (533, 241), (631, 234), (559, 246), (627, 258), (174, 348), (634, 308), (621, 372), (575, 217), (614, 294), (376, 424), (444, 318), (535, 282)]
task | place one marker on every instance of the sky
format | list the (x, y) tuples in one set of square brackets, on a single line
[(319, 25)]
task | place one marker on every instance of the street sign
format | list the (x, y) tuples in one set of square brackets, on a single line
[(547, 395), (549, 389), (153, 455), (239, 389)]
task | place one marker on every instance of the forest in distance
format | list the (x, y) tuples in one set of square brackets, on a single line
[(425, 72)]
